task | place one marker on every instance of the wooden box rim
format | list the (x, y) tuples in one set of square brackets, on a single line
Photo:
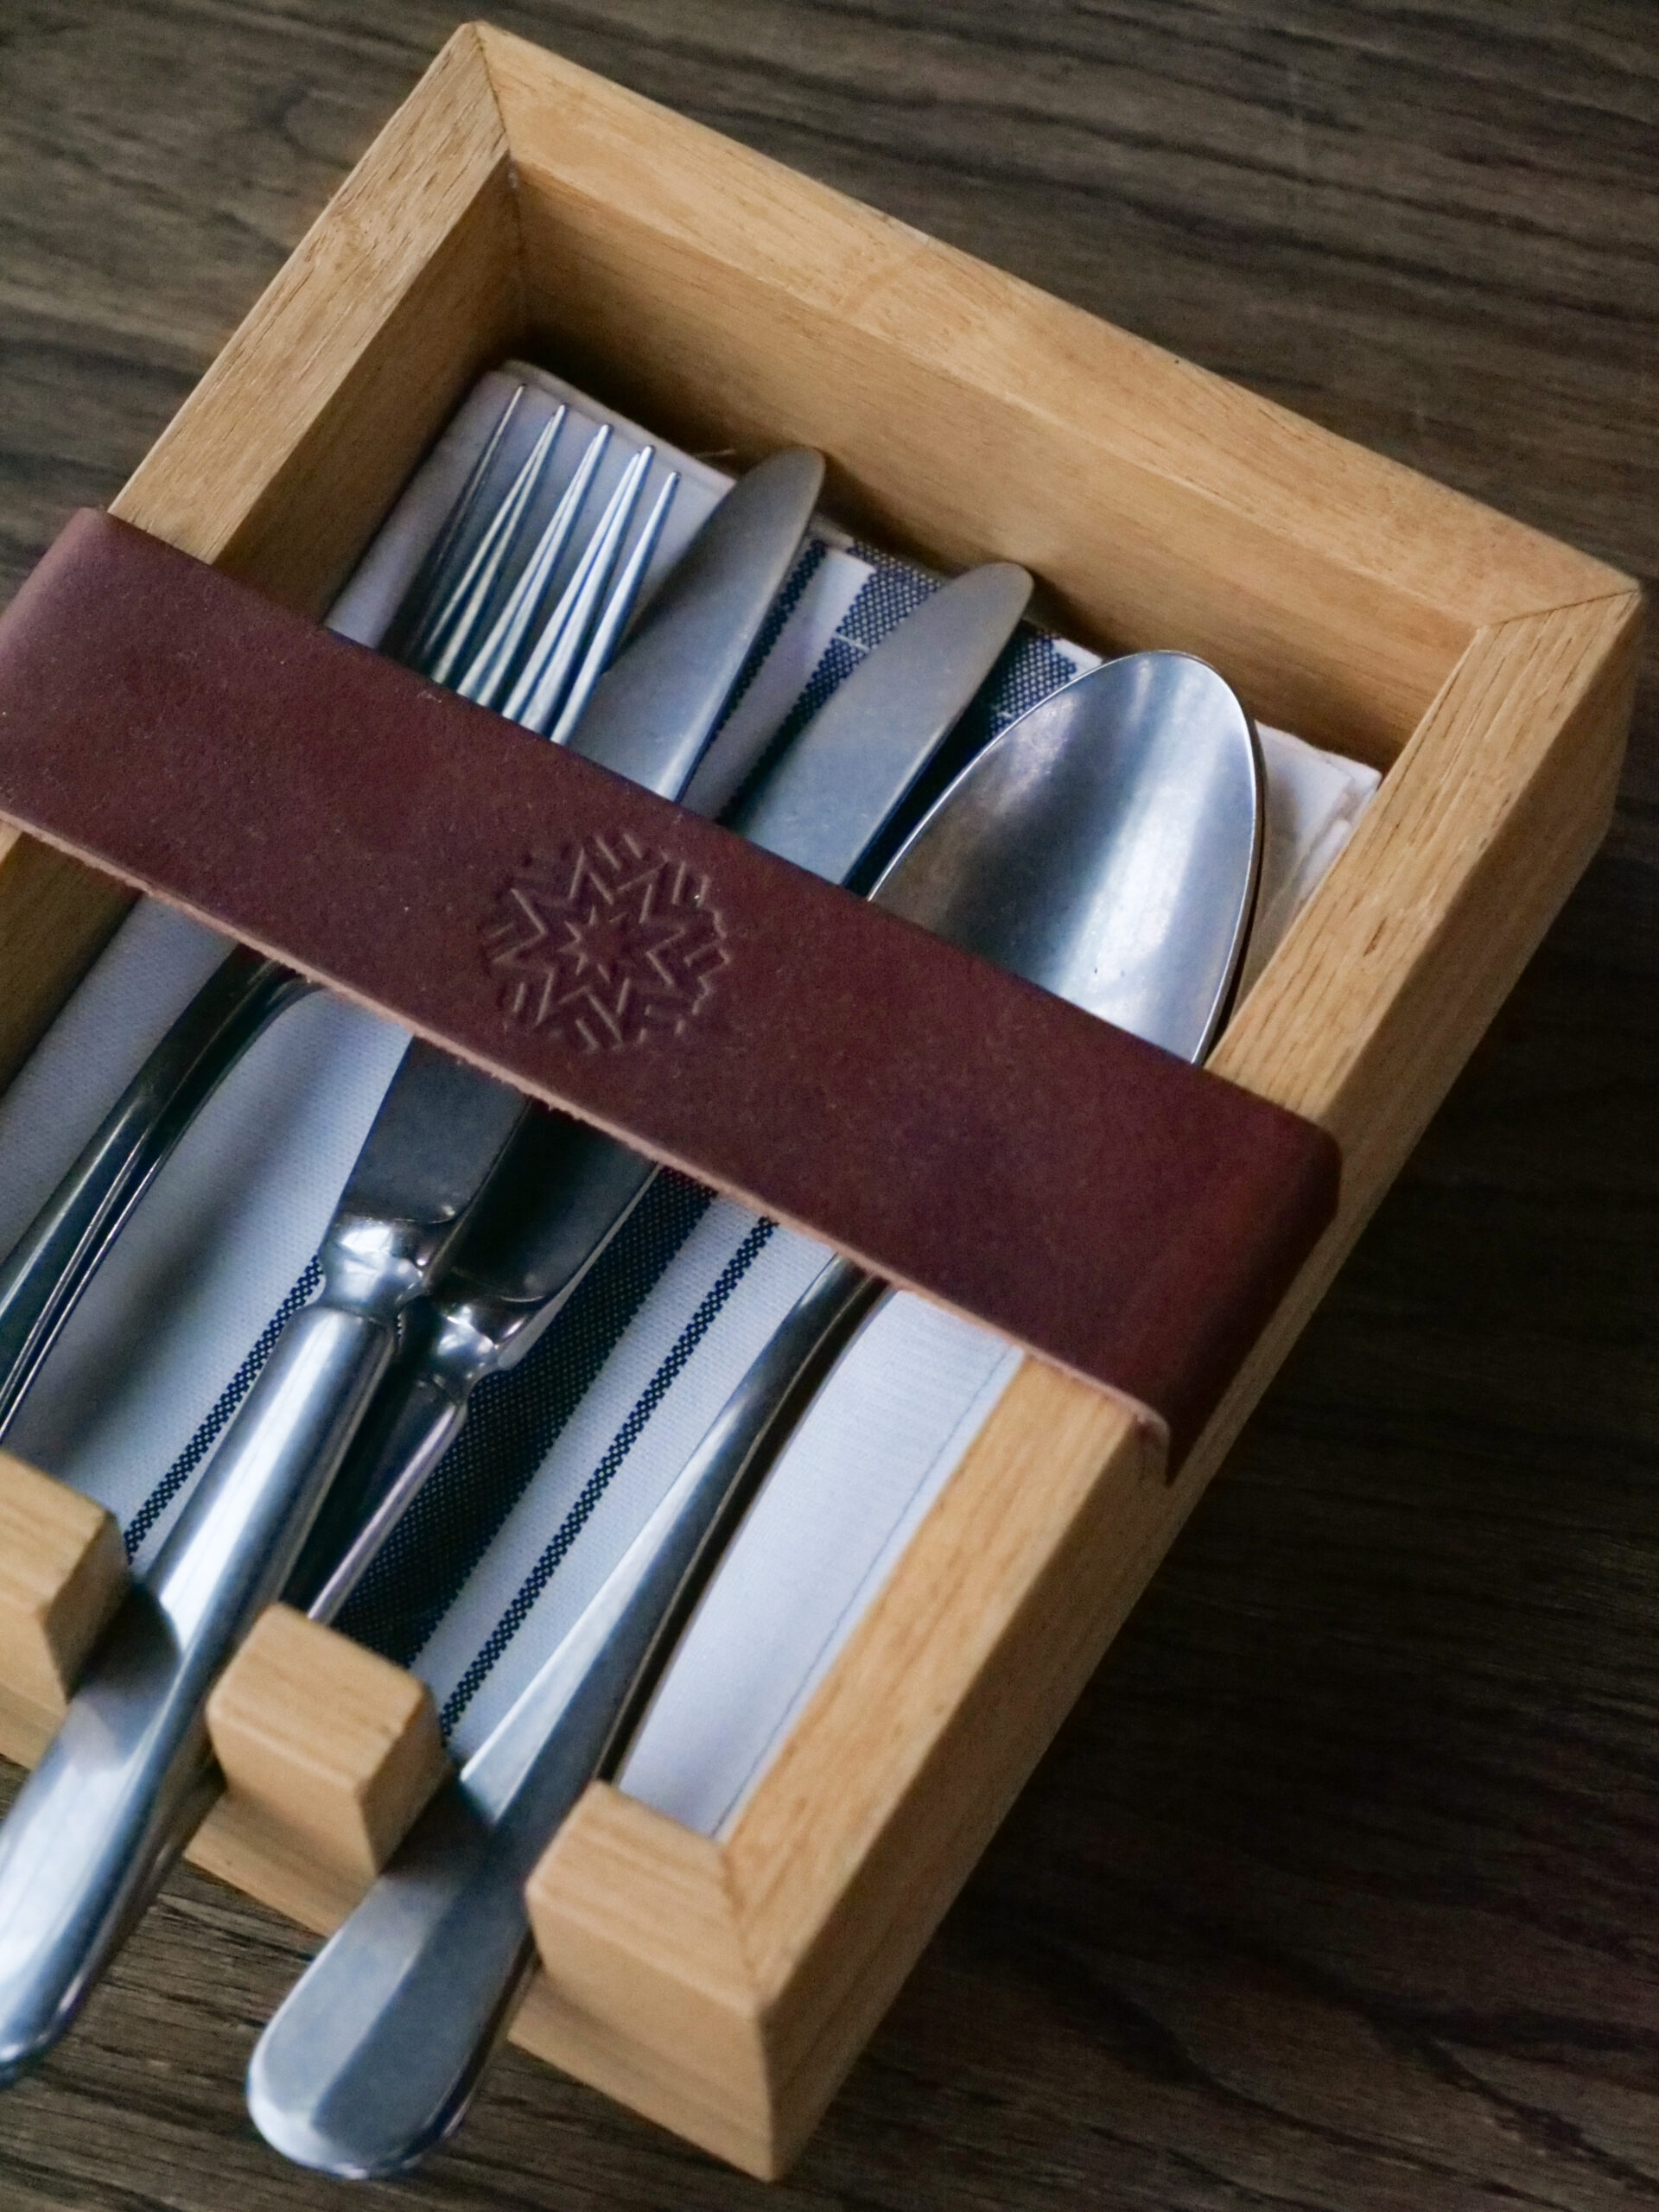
[(724, 1987)]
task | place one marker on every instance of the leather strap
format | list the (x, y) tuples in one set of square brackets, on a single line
[(951, 1128)]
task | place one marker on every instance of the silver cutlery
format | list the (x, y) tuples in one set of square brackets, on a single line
[(444, 638), (418, 629), (118, 1790), (47, 1271), (563, 1190), (1105, 846)]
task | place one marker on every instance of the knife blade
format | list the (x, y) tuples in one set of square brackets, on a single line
[(94, 1828), (562, 1190)]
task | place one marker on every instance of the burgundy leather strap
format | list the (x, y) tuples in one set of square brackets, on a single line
[(951, 1128)]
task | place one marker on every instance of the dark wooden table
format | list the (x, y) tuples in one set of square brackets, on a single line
[(1340, 1889)]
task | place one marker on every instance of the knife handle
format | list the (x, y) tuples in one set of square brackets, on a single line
[(366, 2068), (57, 1255), (96, 1826)]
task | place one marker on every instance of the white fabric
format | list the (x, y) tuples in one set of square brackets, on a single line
[(233, 1218)]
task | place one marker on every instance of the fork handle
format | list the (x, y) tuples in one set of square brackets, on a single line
[(56, 1257)]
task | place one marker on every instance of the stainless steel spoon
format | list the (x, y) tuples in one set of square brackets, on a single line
[(1106, 846)]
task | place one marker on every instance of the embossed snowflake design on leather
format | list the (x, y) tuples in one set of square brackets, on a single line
[(606, 944)]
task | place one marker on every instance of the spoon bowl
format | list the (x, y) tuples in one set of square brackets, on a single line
[(1107, 846)]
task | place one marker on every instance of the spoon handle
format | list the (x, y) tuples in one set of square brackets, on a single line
[(375, 2052)]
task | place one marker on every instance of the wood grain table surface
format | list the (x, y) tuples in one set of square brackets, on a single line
[(1341, 1887)]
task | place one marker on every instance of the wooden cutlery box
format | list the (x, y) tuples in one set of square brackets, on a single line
[(516, 203)]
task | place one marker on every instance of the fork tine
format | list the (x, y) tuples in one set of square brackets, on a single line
[(487, 676), (546, 667), (618, 607), (536, 696), (448, 636), (431, 579)]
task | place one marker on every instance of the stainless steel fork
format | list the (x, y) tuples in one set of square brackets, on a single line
[(451, 631)]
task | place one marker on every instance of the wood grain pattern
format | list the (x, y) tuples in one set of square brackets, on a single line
[(324, 1745), (845, 1857), (1338, 1886), (62, 1573), (1126, 479)]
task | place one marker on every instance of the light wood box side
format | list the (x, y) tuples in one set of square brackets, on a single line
[(55, 918), (62, 1573)]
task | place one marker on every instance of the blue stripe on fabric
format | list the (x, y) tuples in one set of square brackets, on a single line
[(581, 1512), (217, 1417), (891, 591)]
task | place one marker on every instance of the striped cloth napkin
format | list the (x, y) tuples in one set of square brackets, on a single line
[(564, 1459)]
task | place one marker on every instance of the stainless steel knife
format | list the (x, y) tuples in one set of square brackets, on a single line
[(563, 1190), (95, 1826)]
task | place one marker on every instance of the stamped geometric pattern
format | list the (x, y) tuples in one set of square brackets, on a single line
[(606, 945)]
